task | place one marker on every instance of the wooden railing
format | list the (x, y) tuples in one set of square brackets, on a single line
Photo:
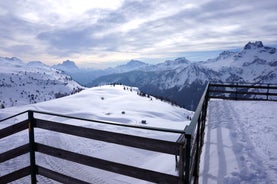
[(194, 139), (32, 123), (187, 148), (243, 91)]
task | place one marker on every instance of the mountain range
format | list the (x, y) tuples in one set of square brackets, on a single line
[(180, 81), (183, 81)]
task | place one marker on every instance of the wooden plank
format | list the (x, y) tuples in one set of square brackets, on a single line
[(127, 170), (14, 153), (13, 129), (159, 129), (192, 126), (111, 137), (243, 92), (15, 175), (58, 176), (245, 99), (271, 86), (13, 116)]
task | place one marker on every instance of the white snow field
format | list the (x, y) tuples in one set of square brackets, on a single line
[(109, 103), (240, 143)]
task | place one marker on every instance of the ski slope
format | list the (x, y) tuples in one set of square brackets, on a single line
[(110, 103), (240, 143)]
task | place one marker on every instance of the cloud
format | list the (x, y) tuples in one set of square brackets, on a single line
[(119, 30)]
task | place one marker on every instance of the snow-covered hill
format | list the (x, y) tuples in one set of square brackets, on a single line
[(24, 83), (240, 143), (111, 103)]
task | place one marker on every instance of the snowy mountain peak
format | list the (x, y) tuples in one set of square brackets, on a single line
[(177, 61), (253, 45), (131, 65), (11, 61), (36, 64), (135, 63), (225, 54), (14, 59), (67, 65)]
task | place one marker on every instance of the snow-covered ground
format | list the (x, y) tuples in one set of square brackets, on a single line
[(110, 103), (240, 143)]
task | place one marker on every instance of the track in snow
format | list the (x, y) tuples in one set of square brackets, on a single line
[(240, 143)]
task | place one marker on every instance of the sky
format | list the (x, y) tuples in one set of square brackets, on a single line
[(97, 33)]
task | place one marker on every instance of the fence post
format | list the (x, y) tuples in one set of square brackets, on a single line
[(181, 164), (187, 168), (236, 95), (32, 147), (267, 93)]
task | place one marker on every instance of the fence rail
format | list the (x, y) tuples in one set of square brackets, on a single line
[(238, 91)]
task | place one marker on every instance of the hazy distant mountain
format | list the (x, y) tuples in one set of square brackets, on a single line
[(67, 66), (85, 76), (130, 66)]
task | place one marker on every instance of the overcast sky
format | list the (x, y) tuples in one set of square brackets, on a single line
[(107, 31)]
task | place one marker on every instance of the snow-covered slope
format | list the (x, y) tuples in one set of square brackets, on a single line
[(240, 143), (111, 103), (22, 83)]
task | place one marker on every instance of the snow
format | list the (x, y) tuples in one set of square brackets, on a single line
[(240, 143), (101, 103), (22, 83)]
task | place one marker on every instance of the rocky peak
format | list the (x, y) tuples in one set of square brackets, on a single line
[(177, 61), (253, 45), (67, 66)]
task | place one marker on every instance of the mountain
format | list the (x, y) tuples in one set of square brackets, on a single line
[(255, 63), (67, 66), (183, 81), (24, 83), (85, 76), (36, 64), (13, 61), (130, 66)]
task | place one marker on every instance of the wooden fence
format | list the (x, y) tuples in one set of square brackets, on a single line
[(186, 149), (243, 91), (175, 148)]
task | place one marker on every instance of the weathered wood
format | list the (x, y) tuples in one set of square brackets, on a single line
[(127, 170), (58, 176), (15, 175), (243, 92), (238, 90), (111, 137), (13, 116), (159, 129), (10, 130), (262, 86), (192, 126), (245, 99), (31, 122), (14, 153)]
